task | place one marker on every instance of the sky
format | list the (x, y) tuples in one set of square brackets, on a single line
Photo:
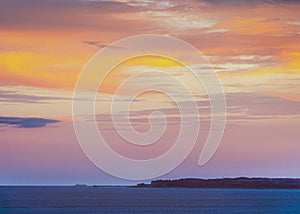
[(253, 46)]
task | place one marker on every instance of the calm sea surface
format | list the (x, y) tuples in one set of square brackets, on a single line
[(146, 200)]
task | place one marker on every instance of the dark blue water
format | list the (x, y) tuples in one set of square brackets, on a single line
[(147, 200)]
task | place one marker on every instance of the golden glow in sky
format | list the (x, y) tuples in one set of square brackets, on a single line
[(254, 47)]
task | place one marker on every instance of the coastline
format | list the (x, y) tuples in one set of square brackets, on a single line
[(226, 183)]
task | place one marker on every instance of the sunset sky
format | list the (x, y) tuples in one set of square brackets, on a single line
[(253, 46)]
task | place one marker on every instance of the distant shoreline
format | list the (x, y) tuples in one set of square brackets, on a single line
[(211, 183), (226, 183)]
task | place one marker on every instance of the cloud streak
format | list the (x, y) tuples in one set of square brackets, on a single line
[(15, 97), (99, 44), (21, 122)]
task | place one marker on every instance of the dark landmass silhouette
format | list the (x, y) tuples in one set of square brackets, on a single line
[(80, 185), (240, 182)]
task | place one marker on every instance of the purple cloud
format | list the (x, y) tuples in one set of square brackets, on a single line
[(21, 122)]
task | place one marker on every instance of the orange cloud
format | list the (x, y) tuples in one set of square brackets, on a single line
[(255, 25), (131, 67), (27, 68)]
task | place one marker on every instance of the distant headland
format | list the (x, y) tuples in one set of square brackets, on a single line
[(240, 182)]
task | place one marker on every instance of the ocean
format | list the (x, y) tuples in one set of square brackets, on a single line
[(146, 200)]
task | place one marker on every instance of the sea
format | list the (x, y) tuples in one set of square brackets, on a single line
[(62, 199)]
